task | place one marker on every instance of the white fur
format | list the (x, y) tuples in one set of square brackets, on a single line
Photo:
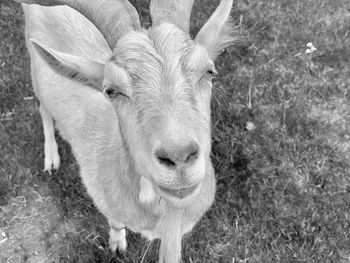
[(52, 158), (147, 194), (117, 240)]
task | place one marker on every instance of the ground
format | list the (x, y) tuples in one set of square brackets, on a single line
[(281, 148)]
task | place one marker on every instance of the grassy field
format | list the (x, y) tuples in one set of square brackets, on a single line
[(281, 148)]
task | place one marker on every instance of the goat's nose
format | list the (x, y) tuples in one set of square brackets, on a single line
[(176, 156)]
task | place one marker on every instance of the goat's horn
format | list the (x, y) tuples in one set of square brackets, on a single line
[(177, 12), (133, 13), (112, 17), (213, 26)]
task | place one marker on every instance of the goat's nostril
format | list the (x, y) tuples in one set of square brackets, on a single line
[(190, 152), (165, 158), (192, 156), (166, 161)]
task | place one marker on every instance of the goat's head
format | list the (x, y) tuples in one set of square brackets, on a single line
[(159, 81)]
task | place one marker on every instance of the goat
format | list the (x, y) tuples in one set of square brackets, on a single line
[(134, 104)]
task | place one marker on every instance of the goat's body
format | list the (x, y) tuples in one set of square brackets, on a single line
[(89, 123)]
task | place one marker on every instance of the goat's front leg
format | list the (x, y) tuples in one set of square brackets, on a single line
[(117, 236), (52, 158)]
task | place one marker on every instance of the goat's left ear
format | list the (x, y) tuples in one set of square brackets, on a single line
[(217, 32), (73, 67)]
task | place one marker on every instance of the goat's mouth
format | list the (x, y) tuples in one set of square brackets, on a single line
[(179, 193)]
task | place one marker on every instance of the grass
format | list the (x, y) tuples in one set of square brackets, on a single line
[(283, 189)]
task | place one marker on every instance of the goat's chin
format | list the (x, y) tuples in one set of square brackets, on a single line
[(181, 197), (178, 198)]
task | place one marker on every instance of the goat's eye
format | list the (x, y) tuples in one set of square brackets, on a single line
[(112, 91), (211, 72)]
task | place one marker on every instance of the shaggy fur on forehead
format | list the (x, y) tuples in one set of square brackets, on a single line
[(157, 61), (162, 52), (172, 43)]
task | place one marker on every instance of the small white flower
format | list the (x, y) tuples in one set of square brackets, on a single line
[(250, 126), (4, 239), (311, 48)]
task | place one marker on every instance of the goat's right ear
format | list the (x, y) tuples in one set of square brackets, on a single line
[(73, 67)]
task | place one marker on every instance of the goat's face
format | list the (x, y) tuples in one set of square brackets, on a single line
[(160, 84)]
